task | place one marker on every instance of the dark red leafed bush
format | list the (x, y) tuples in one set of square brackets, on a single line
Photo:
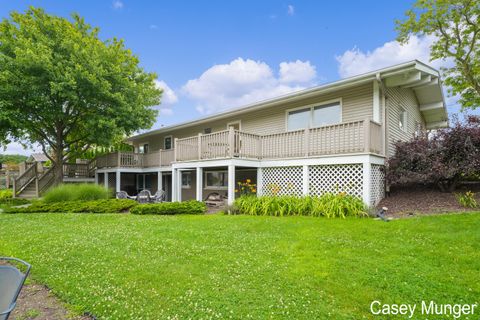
[(442, 159)]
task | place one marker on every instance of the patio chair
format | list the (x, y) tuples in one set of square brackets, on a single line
[(124, 195), (159, 196), (144, 196), (215, 199), (11, 282)]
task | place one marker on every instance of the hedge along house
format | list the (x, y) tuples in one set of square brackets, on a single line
[(334, 137)]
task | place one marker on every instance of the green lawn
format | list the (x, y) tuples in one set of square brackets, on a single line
[(209, 267)]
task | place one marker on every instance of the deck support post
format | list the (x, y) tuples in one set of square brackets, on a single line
[(367, 180), (118, 176), (199, 181), (96, 178), (259, 182), (175, 184), (305, 180), (231, 184)]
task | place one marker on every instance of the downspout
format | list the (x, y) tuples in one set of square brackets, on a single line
[(384, 113), (385, 123)]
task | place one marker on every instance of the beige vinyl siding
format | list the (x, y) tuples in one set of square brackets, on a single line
[(399, 98), (357, 104)]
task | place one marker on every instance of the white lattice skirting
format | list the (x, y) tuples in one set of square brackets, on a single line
[(324, 178), (282, 181)]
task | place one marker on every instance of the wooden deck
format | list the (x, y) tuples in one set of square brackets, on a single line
[(345, 138)]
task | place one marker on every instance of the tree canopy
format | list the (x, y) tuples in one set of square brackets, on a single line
[(64, 88), (455, 26)]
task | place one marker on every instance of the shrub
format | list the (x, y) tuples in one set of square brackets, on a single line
[(442, 159), (94, 206), (328, 205), (13, 201), (170, 208), (467, 199), (6, 194), (74, 192)]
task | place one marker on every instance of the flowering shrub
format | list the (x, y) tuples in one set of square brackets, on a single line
[(246, 188), (328, 205)]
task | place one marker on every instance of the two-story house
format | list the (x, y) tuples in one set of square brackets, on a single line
[(333, 137)]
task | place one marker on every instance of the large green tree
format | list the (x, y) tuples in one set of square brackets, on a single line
[(455, 26), (64, 88)]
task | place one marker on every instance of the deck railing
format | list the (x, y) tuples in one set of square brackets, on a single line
[(350, 137)]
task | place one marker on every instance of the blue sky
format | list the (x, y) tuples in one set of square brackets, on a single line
[(214, 55)]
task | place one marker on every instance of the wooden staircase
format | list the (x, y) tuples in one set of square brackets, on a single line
[(32, 183)]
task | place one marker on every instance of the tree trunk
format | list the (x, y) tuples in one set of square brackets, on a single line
[(58, 166)]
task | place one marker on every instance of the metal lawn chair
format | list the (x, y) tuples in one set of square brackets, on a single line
[(144, 196), (11, 282), (159, 196), (124, 195)]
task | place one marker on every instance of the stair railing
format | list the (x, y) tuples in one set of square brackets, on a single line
[(46, 180), (25, 179)]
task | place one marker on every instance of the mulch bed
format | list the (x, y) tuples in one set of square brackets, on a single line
[(425, 200), (36, 302)]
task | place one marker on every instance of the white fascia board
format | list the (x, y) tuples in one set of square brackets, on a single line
[(403, 79), (432, 106)]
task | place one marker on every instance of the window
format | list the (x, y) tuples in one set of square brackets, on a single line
[(403, 120), (327, 114), (167, 143), (143, 148), (207, 130), (298, 119), (186, 180), (315, 116), (216, 179)]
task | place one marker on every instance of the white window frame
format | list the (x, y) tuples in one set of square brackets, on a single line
[(171, 144), (185, 186), (239, 122), (312, 107), (214, 187), (403, 114)]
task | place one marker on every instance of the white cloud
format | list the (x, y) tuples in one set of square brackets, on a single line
[(290, 10), (168, 95), (297, 71), (243, 81), (117, 4), (153, 27), (354, 61), (169, 98)]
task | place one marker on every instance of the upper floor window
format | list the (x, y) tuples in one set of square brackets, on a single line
[(167, 143), (315, 116), (143, 148), (402, 123)]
